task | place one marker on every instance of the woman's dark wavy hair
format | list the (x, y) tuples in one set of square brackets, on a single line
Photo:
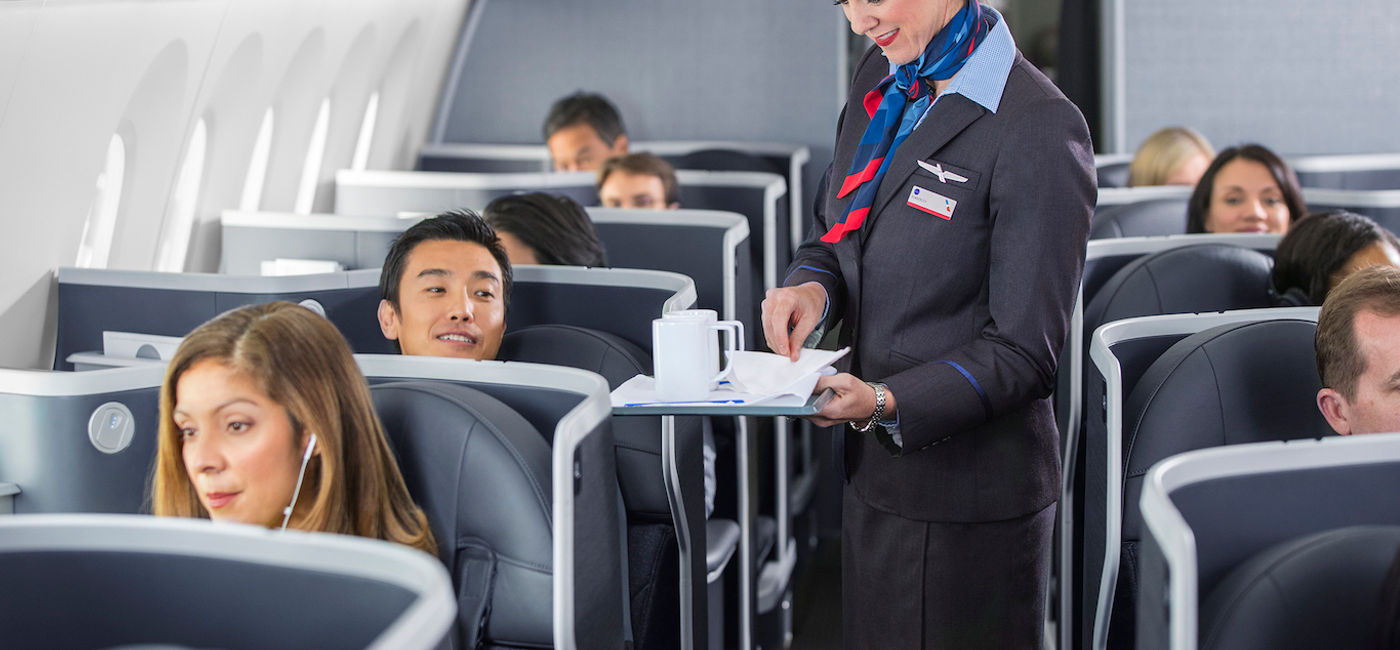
[(1315, 249), (1283, 175), (556, 227)]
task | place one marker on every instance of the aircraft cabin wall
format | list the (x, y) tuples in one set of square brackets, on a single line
[(127, 126)]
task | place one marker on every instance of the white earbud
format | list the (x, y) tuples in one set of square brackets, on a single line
[(305, 458)]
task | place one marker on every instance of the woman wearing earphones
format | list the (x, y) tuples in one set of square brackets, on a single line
[(266, 420)]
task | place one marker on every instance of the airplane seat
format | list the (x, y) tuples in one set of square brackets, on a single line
[(1231, 384), (131, 581), (652, 546), (1148, 218), (481, 473), (78, 442), (1196, 278), (724, 160), (1114, 174), (1316, 591)]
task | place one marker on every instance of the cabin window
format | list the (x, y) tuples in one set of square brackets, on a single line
[(361, 159), (315, 151), (101, 222), (257, 166), (179, 214)]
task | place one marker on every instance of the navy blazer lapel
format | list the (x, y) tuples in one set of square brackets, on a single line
[(946, 119)]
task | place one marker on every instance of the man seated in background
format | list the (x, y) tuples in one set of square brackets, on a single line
[(1358, 353), (444, 288), (581, 131), (638, 180)]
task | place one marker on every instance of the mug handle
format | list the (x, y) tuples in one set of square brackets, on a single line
[(735, 342)]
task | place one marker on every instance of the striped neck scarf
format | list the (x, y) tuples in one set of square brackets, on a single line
[(895, 106)]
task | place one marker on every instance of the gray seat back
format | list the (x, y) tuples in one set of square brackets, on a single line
[(1150, 218), (708, 246), (103, 581), (79, 441), (1316, 591), (482, 475), (1209, 511), (1232, 384)]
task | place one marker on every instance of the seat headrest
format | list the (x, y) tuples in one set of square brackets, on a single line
[(1232, 384), (1150, 218), (481, 473), (1316, 591), (609, 355), (1195, 278)]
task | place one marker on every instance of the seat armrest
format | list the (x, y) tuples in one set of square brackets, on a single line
[(721, 539)]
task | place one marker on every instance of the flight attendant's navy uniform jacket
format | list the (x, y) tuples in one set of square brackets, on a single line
[(962, 317)]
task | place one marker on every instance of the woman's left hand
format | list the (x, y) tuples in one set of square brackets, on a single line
[(854, 401)]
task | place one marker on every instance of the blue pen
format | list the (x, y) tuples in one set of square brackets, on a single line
[(712, 401)]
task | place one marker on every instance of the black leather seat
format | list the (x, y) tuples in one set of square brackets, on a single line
[(1114, 174), (1150, 218), (638, 438), (1233, 384), (1317, 591), (652, 555), (481, 473), (1198, 278)]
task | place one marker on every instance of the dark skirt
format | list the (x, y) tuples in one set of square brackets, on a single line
[(919, 584)]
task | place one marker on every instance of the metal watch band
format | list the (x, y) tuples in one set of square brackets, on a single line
[(879, 413)]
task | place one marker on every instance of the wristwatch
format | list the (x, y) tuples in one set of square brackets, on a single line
[(879, 413)]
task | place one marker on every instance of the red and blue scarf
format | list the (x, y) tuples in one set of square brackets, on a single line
[(895, 106)]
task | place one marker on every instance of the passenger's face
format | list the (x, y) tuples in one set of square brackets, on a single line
[(579, 148), (1246, 199), (901, 28), (624, 190), (450, 302), (518, 252), (238, 445), (1189, 172), (1375, 406), (1377, 254)]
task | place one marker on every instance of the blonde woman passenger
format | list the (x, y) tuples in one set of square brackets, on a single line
[(1175, 155), (265, 419)]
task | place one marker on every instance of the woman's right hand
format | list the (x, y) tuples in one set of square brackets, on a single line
[(790, 314)]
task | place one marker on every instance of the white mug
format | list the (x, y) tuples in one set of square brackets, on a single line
[(685, 353)]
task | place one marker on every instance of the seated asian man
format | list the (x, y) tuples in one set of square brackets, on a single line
[(444, 288), (1358, 353), (638, 180), (582, 130)]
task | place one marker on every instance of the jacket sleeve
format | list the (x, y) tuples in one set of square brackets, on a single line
[(1041, 199), (815, 260)]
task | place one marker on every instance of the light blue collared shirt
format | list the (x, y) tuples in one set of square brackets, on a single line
[(983, 77)]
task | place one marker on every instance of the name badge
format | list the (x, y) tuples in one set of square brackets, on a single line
[(932, 202)]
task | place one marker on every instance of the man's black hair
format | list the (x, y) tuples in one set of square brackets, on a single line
[(454, 225), (585, 108), (556, 228)]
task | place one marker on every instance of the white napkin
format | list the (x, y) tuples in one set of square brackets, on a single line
[(760, 371), (765, 373)]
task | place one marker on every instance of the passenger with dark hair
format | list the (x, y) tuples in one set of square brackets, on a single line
[(1358, 353), (539, 228), (445, 287), (1324, 248), (638, 180), (266, 420), (582, 130), (1246, 189)]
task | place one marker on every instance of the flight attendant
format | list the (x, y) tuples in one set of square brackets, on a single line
[(948, 245)]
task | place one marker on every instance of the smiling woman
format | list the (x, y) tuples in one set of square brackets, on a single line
[(243, 397), (949, 240)]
